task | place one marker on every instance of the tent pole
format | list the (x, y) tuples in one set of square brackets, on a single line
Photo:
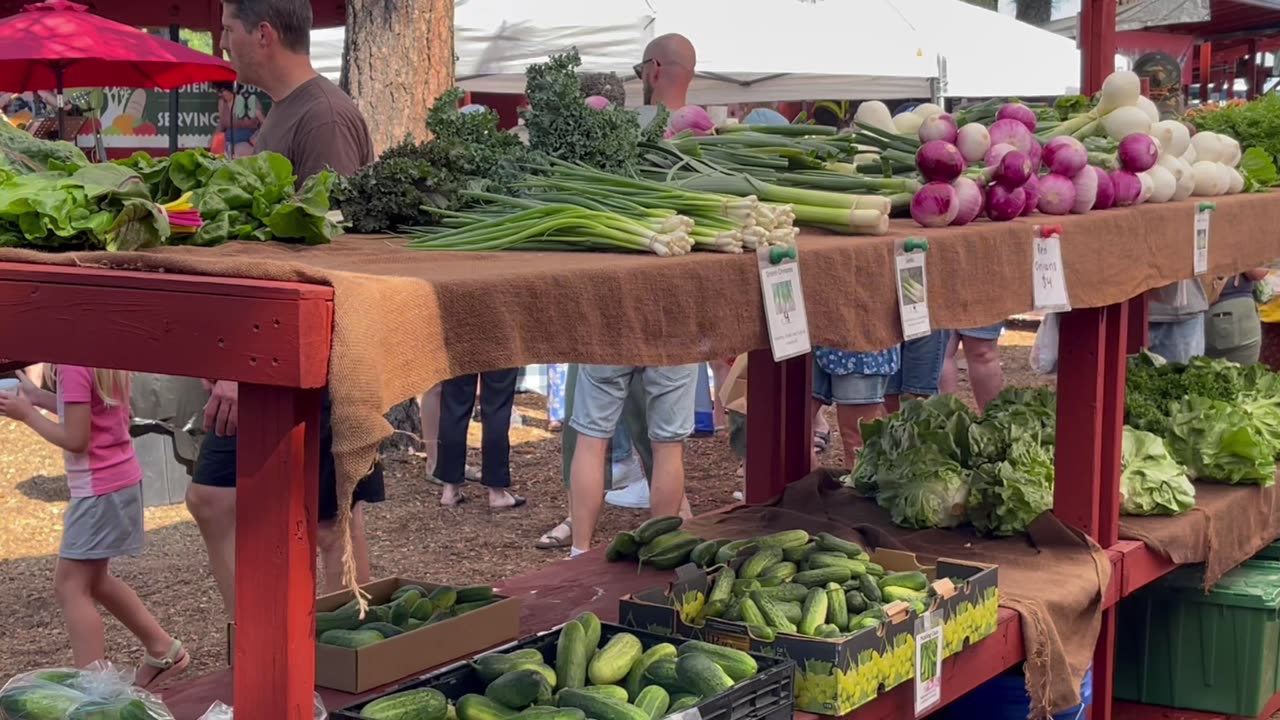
[(1097, 33), (174, 35), (57, 69)]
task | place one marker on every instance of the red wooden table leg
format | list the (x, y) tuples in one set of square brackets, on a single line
[(1078, 453), (1117, 335), (278, 449), (779, 424), (1137, 324)]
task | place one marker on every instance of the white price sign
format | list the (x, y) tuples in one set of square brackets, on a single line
[(1201, 247), (784, 309), (913, 289), (928, 633), (1048, 278)]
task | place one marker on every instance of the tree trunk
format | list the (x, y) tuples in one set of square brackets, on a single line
[(398, 57), (1035, 12), (988, 4)]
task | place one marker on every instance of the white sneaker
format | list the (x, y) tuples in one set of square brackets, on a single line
[(628, 472), (634, 496)]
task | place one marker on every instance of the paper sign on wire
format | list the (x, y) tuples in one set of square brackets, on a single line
[(1201, 248), (928, 682), (784, 309), (913, 292), (1048, 277)]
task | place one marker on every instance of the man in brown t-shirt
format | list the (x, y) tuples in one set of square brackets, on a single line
[(316, 126)]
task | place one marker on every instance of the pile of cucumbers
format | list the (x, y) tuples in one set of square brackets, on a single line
[(410, 607), (620, 681), (658, 543)]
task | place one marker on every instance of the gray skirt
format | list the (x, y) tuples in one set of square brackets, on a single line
[(103, 526)]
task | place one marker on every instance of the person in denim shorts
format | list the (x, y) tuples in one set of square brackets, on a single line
[(597, 405), (982, 354), (920, 370), (855, 382)]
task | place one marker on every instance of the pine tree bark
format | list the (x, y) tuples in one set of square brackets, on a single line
[(1035, 12), (988, 4), (398, 57)]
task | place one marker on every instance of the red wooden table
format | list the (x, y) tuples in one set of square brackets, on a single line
[(273, 338)]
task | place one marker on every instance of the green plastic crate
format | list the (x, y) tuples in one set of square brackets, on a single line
[(1270, 552), (1218, 652)]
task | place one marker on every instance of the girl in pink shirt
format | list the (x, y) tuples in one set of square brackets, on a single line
[(104, 518)]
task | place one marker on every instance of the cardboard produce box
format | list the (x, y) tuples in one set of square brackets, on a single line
[(360, 669), (833, 677)]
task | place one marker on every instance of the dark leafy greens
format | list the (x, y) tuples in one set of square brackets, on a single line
[(411, 181), (95, 207)]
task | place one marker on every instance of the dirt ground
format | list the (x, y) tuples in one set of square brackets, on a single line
[(409, 535)]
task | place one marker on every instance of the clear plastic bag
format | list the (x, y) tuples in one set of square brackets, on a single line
[(1044, 351), (222, 711), (99, 692)]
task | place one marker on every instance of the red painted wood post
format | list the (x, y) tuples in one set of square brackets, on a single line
[(1138, 335), (765, 387), (797, 418), (278, 454), (779, 424), (1097, 33), (1206, 69), (1116, 338), (1078, 446)]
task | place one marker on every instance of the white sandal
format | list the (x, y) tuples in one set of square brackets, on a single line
[(171, 665)]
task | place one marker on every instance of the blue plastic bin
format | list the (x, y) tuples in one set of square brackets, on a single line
[(1004, 697)]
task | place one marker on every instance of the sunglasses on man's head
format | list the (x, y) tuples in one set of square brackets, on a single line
[(638, 68)]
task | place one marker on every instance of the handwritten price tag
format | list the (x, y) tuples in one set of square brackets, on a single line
[(1048, 279)]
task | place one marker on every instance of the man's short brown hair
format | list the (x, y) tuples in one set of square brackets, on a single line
[(291, 19)]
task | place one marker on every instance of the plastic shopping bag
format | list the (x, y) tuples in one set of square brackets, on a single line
[(1044, 351), (101, 690), (222, 711)]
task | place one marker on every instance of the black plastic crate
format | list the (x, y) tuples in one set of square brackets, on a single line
[(768, 695)]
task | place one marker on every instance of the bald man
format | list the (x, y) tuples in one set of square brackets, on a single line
[(667, 71)]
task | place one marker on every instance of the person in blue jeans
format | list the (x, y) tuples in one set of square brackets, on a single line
[(855, 382), (920, 370), (982, 354)]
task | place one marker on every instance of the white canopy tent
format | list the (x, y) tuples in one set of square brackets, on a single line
[(788, 50)]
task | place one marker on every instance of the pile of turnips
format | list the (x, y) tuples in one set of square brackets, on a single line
[(972, 170), (1020, 165)]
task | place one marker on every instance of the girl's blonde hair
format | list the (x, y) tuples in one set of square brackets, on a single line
[(112, 386)]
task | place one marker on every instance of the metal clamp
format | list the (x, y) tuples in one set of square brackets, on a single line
[(778, 253), (915, 243), (1207, 207)]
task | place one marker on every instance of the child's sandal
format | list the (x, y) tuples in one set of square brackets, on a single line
[(169, 666)]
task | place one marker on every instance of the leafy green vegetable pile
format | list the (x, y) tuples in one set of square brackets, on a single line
[(1254, 124), (98, 207), (425, 184), (1151, 481), (250, 198), (410, 182), (1220, 420), (934, 464)]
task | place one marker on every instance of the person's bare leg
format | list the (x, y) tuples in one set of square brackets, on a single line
[(586, 488), (666, 491), (117, 598), (73, 582), (429, 412), (719, 371), (848, 417), (985, 374), (817, 415), (949, 380), (331, 549), (35, 374), (214, 510)]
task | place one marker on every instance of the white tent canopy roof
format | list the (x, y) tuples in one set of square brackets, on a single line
[(761, 50)]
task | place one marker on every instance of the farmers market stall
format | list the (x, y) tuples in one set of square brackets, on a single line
[(272, 336)]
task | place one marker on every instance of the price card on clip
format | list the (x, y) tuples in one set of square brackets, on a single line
[(784, 310), (913, 290), (1201, 257), (1048, 278), (928, 632)]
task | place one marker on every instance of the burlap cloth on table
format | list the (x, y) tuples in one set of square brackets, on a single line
[(1053, 578), (1228, 525), (405, 320)]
